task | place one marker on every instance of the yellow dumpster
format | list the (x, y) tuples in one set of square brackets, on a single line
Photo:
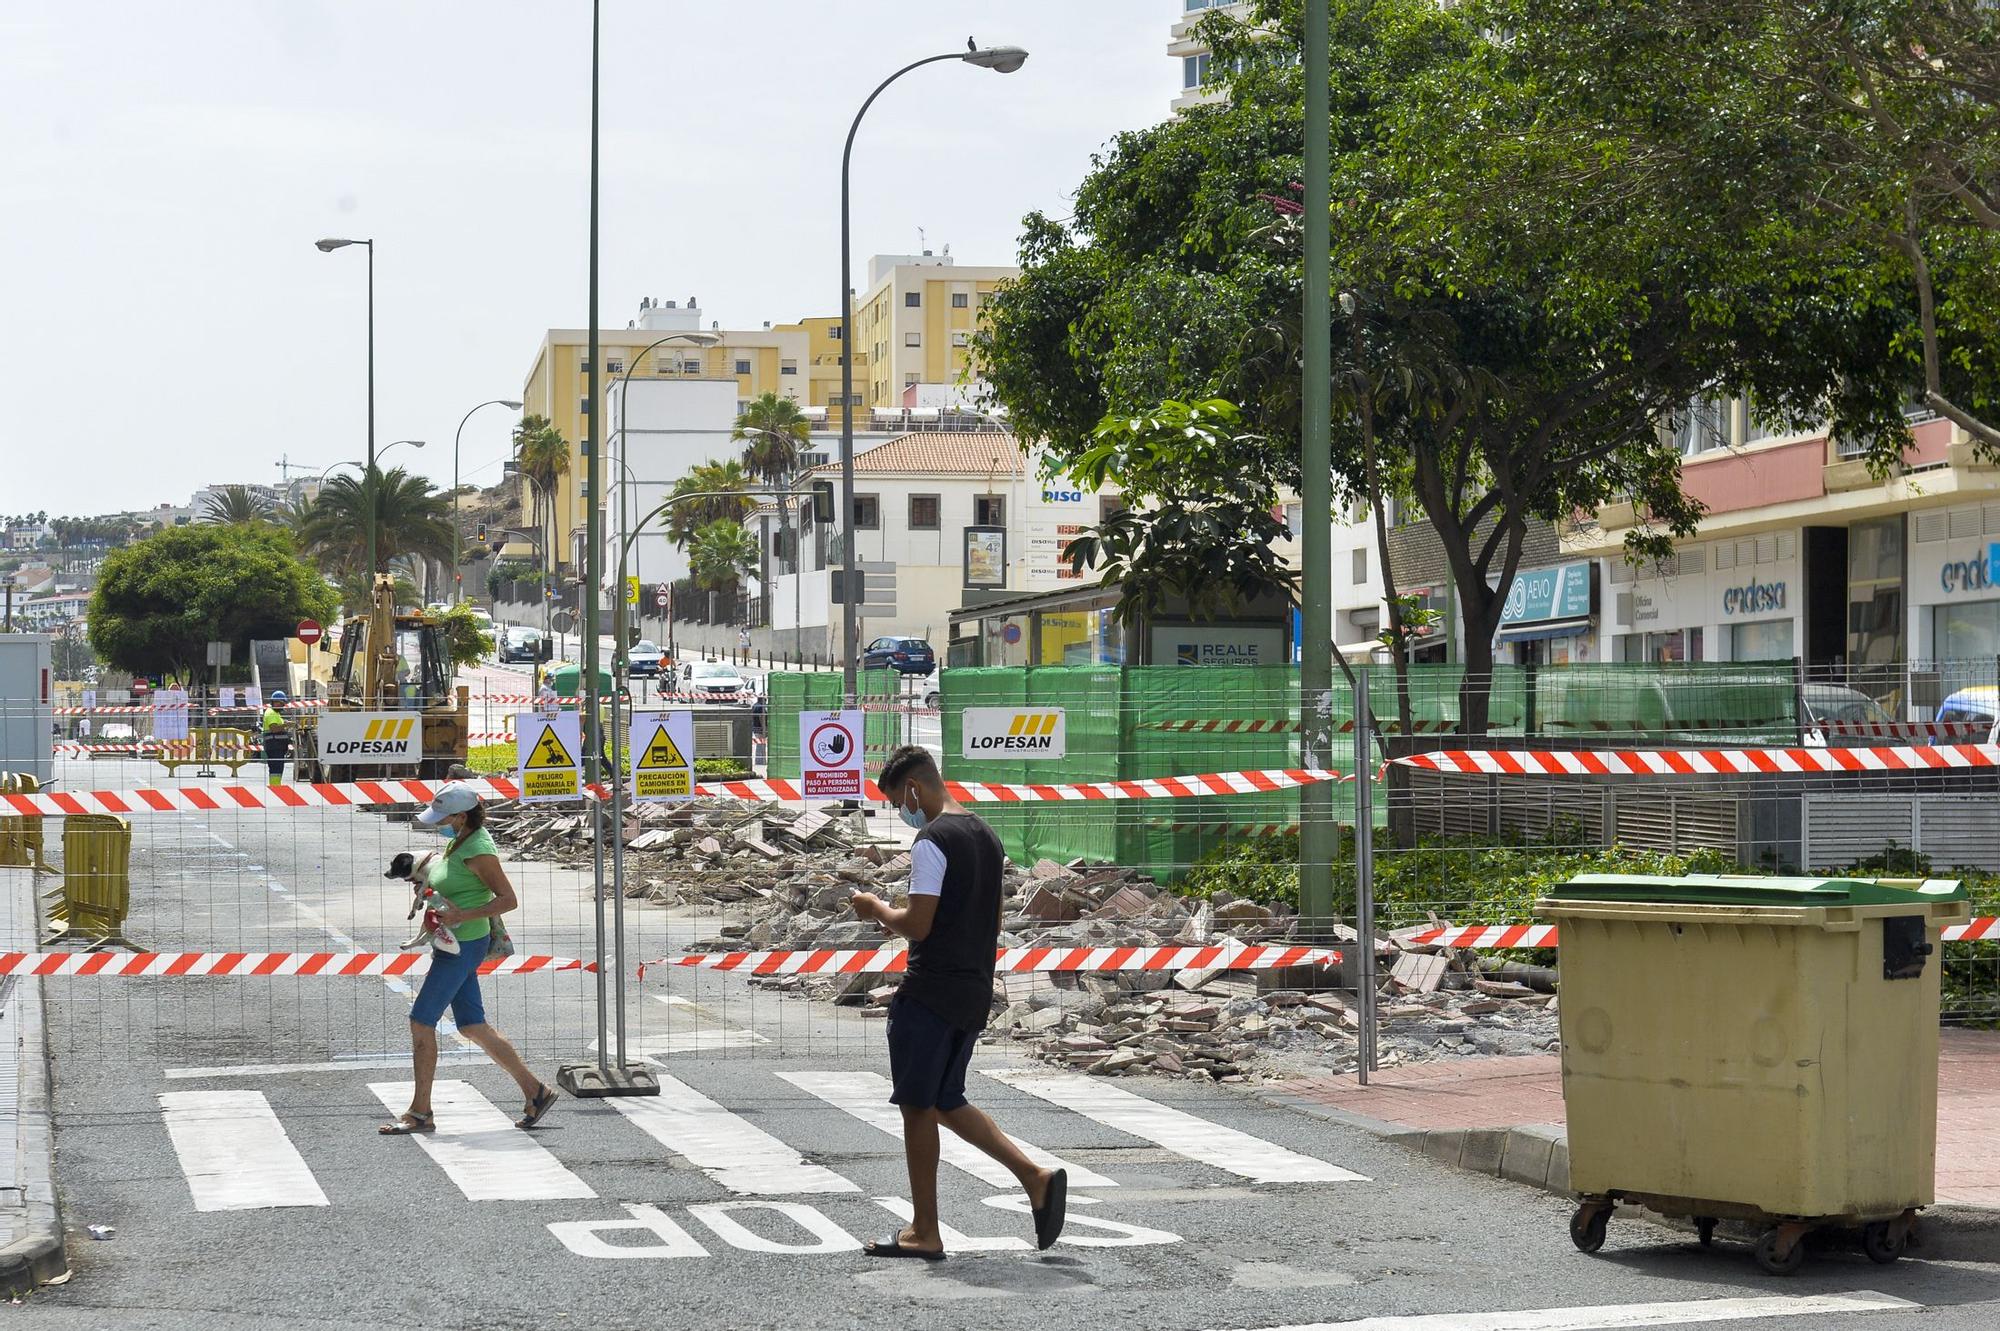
[(1759, 1049)]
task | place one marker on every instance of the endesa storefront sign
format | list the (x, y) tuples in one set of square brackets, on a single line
[(1754, 598), (1976, 574)]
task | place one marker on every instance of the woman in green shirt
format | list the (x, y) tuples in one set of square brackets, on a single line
[(469, 877)]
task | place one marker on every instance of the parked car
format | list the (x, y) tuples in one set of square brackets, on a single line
[(714, 681), (645, 658), (519, 644), (929, 690), (1847, 710), (908, 656), (1978, 705)]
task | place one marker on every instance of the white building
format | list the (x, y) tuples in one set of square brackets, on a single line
[(951, 513), (658, 430), (1186, 46)]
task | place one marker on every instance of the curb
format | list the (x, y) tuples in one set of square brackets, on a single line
[(30, 1209), (1535, 1154)]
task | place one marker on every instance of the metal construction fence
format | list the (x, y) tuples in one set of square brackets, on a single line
[(1132, 892)]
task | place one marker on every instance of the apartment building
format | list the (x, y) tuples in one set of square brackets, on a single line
[(1186, 46), (747, 362), (950, 513), (916, 318)]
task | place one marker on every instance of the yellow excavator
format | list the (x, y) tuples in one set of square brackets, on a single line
[(392, 660)]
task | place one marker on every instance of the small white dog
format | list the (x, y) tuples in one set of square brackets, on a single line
[(434, 932)]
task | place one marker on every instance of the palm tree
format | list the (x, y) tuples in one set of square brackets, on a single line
[(541, 455), (721, 555), (235, 506), (774, 430), (412, 520), (292, 515), (709, 478)]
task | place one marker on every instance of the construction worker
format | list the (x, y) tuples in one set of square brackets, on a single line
[(277, 738)]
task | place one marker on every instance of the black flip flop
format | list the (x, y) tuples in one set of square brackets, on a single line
[(408, 1125), (1054, 1209), (537, 1107), (893, 1247)]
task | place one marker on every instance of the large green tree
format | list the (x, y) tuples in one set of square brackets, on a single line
[(1511, 351), (721, 485), (159, 601), (541, 456), (721, 555), (1867, 130), (413, 522), (236, 504), (774, 431)]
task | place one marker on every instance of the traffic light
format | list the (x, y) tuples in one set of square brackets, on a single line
[(823, 502), (482, 533)]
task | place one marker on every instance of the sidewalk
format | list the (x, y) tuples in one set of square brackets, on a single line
[(31, 1237), (1504, 1116)]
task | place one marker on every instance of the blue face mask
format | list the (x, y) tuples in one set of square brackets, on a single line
[(916, 817), (447, 830)]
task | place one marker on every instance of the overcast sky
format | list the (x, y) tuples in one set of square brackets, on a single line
[(165, 321)]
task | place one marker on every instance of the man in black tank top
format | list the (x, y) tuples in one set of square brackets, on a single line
[(952, 919)]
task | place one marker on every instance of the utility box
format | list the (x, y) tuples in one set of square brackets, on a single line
[(1753, 1048), (26, 705)]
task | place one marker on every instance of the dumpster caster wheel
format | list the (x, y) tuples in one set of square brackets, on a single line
[(1884, 1241), (1587, 1227), (1780, 1261), (1704, 1229)]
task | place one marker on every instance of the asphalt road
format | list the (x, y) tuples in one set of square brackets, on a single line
[(224, 1131)]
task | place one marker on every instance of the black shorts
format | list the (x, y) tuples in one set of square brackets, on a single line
[(927, 1057)]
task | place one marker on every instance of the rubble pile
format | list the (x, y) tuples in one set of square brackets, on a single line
[(781, 877)]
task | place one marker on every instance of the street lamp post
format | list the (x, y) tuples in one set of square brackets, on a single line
[(328, 246), (457, 534), (1004, 60), (1317, 832)]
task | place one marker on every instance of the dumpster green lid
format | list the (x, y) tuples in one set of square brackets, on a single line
[(1752, 890)]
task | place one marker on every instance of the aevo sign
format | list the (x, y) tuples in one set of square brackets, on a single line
[(379, 738), (1754, 598), (1563, 592), (1013, 732)]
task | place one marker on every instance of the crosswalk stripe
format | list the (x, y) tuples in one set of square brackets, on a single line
[(479, 1148), (234, 1152), (1620, 1316), (1182, 1133), (865, 1095), (736, 1153)]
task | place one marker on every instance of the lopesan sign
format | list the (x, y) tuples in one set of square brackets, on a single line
[(1013, 732), (382, 738)]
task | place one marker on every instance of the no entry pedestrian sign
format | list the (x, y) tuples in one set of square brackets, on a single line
[(830, 755), (662, 746), (546, 750)]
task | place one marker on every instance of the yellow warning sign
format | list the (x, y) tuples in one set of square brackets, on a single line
[(662, 765), (547, 750)]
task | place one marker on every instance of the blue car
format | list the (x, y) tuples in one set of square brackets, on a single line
[(907, 656)]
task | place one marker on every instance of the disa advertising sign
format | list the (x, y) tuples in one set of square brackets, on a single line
[(347, 739)]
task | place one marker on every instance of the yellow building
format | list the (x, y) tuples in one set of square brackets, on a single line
[(916, 318), (767, 360)]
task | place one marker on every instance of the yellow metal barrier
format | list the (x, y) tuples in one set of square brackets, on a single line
[(221, 746), (21, 835), (97, 880)]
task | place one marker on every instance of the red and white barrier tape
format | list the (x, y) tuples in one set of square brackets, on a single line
[(1013, 960), (352, 794), (158, 964), (1495, 937), (1705, 762), (651, 697), (178, 709)]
